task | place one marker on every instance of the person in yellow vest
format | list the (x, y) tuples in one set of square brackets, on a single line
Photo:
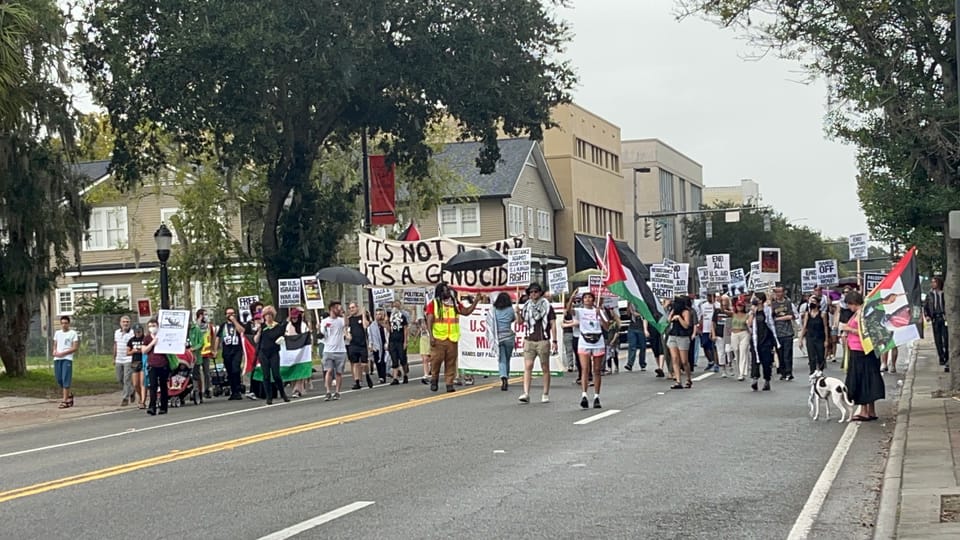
[(443, 320)]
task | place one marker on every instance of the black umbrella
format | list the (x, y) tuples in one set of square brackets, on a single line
[(342, 274), (475, 259)]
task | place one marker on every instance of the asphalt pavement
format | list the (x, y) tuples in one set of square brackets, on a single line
[(714, 461)]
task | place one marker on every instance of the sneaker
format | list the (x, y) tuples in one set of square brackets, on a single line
[(326, 397), (545, 398), (369, 381), (628, 368), (297, 394), (723, 375), (395, 382), (336, 396), (124, 402), (740, 378), (644, 368), (524, 398), (356, 386), (450, 388), (208, 395), (789, 377), (893, 370), (251, 395), (424, 380), (406, 379), (596, 403), (754, 385), (766, 386), (384, 381), (584, 404)]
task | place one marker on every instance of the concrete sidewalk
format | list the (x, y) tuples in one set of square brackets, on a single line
[(921, 493)]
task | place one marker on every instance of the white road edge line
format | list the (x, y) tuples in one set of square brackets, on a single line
[(801, 528), (172, 424), (596, 417), (699, 378), (317, 521)]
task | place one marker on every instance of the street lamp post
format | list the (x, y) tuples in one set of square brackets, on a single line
[(636, 217), (164, 238)]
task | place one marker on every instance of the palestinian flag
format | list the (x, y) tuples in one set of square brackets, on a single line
[(249, 355), (892, 312), (296, 360), (410, 234), (621, 282), (174, 360)]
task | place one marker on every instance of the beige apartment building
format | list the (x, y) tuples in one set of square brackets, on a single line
[(746, 193), (583, 153), (659, 178)]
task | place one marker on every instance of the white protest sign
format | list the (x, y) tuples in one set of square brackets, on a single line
[(415, 297), (827, 272), (477, 354), (718, 269), (859, 250), (662, 281), (557, 280), (382, 297), (312, 292), (172, 326), (872, 280), (399, 264), (518, 267), (769, 265), (243, 306), (808, 279), (289, 292), (738, 280), (681, 275), (702, 273)]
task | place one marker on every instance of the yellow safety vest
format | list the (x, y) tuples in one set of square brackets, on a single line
[(446, 322)]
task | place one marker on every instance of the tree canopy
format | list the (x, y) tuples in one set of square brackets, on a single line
[(269, 83), (41, 213)]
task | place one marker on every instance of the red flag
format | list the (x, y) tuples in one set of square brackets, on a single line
[(383, 203), (249, 355), (410, 234)]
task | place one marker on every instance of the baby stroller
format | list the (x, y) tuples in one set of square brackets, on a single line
[(181, 385), (218, 380)]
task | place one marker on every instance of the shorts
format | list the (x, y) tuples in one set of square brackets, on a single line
[(593, 349), (536, 349), (706, 342), (357, 355), (424, 346), (678, 342), (137, 367), (334, 361), (63, 372)]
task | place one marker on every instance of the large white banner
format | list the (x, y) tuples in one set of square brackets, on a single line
[(396, 264), (480, 357)]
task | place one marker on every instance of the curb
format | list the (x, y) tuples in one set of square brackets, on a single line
[(888, 512)]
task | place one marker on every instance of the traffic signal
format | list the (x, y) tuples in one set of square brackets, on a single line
[(709, 228), (658, 232), (766, 223), (646, 228)]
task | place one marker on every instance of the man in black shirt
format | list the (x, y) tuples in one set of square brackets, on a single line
[(934, 308), (399, 333)]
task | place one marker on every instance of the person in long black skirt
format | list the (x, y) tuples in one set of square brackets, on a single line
[(268, 351), (864, 381)]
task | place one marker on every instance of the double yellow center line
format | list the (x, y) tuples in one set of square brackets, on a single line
[(117, 470)]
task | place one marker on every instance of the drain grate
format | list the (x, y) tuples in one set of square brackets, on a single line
[(950, 509)]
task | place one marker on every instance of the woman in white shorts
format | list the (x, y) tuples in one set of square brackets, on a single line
[(679, 333), (591, 347)]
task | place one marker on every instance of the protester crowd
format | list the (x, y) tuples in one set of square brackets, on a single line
[(739, 334)]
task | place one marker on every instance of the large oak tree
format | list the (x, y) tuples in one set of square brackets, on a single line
[(270, 82), (41, 214), (892, 70)]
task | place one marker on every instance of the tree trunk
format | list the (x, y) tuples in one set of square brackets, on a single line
[(14, 329), (951, 294), (268, 240)]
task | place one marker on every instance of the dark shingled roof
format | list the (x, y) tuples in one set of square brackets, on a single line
[(461, 158), (93, 170)]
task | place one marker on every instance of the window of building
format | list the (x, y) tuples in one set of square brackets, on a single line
[(683, 195), (118, 292), (459, 220), (65, 301), (108, 229), (696, 197), (598, 221), (669, 240), (543, 225), (514, 220), (666, 191), (531, 223), (166, 216), (598, 156)]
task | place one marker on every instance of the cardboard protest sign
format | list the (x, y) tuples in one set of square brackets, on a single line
[(808, 279), (858, 246), (557, 280), (827, 272), (289, 292), (518, 267), (662, 281)]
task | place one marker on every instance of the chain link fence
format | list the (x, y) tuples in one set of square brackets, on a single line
[(96, 335)]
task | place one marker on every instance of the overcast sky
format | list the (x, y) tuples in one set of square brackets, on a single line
[(688, 83)]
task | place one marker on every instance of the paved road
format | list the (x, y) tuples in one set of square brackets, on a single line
[(717, 461)]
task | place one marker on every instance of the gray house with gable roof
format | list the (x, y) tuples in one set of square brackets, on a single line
[(520, 198)]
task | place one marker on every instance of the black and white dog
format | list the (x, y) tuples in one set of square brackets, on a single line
[(832, 388)]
